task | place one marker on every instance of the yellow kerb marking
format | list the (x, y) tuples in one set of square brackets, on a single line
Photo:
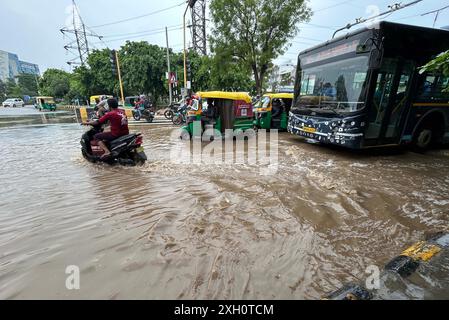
[(83, 114), (421, 251)]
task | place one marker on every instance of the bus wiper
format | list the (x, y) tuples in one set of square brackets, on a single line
[(331, 109)]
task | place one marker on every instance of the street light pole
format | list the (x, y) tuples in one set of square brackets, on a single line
[(168, 68), (190, 3), (184, 37)]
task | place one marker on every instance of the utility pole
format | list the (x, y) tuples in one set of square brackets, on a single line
[(120, 78), (168, 69), (185, 52), (198, 11), (80, 43)]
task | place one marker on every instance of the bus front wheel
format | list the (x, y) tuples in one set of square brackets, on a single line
[(423, 139)]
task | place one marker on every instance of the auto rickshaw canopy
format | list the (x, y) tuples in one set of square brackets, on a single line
[(281, 95), (243, 96), (45, 99), (93, 99)]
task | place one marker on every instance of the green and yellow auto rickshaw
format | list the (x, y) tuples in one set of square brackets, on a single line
[(130, 101), (96, 99), (219, 110), (271, 111), (45, 103)]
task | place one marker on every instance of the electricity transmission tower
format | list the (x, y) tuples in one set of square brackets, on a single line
[(79, 44), (198, 27)]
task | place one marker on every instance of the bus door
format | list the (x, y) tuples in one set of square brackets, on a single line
[(391, 97)]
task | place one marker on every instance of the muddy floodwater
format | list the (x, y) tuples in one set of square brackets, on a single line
[(174, 231)]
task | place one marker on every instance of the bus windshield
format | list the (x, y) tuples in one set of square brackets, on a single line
[(335, 86)]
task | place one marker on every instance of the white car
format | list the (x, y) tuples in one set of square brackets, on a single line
[(15, 102)]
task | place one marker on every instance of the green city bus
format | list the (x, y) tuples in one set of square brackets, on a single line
[(365, 89)]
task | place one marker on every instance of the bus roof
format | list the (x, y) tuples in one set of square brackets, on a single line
[(225, 95), (381, 25)]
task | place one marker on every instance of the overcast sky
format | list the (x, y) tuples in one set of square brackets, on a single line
[(30, 28)]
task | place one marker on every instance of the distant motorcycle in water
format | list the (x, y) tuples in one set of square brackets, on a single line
[(143, 111), (180, 116), (172, 109)]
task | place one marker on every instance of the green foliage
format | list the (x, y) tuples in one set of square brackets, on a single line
[(3, 92), (143, 67), (255, 32), (28, 84), (100, 78), (12, 89), (439, 64), (55, 83)]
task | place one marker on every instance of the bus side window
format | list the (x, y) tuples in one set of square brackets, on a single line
[(432, 88)]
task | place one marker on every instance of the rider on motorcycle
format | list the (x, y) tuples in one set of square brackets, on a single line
[(102, 106), (119, 126)]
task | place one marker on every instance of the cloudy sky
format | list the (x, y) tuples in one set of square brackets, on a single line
[(30, 28)]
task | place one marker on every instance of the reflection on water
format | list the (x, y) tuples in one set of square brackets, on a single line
[(31, 118), (166, 231)]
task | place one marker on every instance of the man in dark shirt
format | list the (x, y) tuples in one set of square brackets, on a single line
[(119, 126)]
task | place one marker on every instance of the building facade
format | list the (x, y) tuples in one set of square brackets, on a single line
[(11, 66)]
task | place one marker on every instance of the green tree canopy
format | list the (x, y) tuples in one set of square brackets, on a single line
[(101, 80), (55, 83), (3, 92), (439, 64), (255, 32), (28, 84), (143, 68)]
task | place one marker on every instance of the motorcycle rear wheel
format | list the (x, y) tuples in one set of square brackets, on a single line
[(177, 119), (136, 116), (168, 114)]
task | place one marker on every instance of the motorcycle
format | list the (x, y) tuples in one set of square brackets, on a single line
[(180, 116), (141, 111), (168, 114), (125, 150)]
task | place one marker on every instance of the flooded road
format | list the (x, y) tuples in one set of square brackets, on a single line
[(171, 231)]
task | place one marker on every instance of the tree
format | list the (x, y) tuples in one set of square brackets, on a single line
[(12, 89), (255, 32), (439, 64), (101, 79), (28, 84), (3, 92), (55, 83), (143, 68)]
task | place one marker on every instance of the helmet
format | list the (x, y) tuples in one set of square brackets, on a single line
[(103, 97), (142, 96)]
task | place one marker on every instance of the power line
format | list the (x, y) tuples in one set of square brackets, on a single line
[(333, 6), (141, 35), (138, 17), (436, 15), (141, 32), (394, 7)]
